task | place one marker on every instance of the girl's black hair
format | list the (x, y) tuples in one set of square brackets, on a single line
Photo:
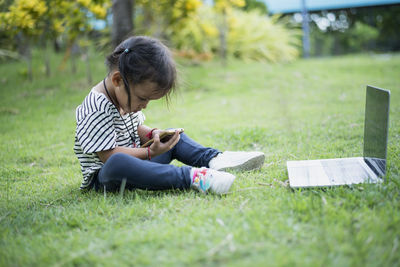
[(142, 58)]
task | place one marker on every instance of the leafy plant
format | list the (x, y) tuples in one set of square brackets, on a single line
[(360, 35), (257, 37), (251, 36)]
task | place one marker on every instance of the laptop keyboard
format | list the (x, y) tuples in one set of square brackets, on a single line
[(346, 171)]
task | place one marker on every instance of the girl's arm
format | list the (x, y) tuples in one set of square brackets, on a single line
[(140, 153), (157, 148), (143, 130)]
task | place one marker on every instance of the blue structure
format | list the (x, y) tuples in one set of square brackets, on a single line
[(294, 6)]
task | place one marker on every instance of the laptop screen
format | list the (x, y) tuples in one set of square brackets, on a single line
[(376, 128)]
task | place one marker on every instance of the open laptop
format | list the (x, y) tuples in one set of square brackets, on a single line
[(370, 168)]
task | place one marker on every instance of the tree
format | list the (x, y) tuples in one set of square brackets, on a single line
[(76, 16), (33, 20), (355, 30), (164, 18), (251, 5), (122, 26), (25, 20), (386, 21), (224, 7)]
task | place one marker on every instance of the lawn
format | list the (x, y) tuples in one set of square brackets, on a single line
[(307, 109)]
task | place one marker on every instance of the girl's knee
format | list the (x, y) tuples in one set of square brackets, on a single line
[(117, 157), (117, 164), (121, 160)]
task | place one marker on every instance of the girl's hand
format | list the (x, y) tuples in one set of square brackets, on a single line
[(158, 148), (158, 131)]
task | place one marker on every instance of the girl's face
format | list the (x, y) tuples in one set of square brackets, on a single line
[(141, 94)]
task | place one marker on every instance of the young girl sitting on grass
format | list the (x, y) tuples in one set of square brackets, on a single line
[(110, 130)]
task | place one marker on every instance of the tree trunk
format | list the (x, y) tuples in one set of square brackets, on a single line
[(88, 70), (24, 50), (223, 32), (57, 46), (29, 61), (75, 50), (47, 58), (122, 20)]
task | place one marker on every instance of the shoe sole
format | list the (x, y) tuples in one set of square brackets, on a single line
[(250, 164)]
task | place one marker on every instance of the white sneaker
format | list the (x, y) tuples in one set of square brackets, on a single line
[(208, 180), (241, 161)]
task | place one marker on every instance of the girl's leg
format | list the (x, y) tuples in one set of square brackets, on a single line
[(188, 152), (142, 174), (194, 154)]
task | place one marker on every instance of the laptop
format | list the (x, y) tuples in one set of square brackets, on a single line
[(371, 168)]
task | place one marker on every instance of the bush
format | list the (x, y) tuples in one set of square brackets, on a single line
[(251, 36), (257, 37), (361, 35)]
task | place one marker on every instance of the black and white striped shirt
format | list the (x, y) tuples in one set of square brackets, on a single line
[(99, 127)]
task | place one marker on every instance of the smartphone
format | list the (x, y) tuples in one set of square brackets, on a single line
[(164, 136)]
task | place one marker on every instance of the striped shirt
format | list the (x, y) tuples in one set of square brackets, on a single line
[(99, 127)]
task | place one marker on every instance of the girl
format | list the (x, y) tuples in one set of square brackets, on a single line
[(110, 130)]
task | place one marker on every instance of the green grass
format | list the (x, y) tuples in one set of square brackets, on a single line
[(308, 109)]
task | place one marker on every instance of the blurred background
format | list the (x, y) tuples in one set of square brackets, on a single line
[(261, 30)]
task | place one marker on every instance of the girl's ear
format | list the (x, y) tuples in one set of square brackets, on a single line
[(116, 79)]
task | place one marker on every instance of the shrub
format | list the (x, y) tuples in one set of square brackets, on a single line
[(257, 37), (251, 36)]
